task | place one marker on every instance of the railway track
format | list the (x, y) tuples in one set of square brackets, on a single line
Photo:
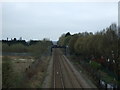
[(64, 76), (58, 76), (74, 80)]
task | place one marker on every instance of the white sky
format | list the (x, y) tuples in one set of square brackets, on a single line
[(59, 0), (50, 20), (119, 13)]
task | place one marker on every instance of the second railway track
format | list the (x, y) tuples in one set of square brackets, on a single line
[(58, 76), (64, 76)]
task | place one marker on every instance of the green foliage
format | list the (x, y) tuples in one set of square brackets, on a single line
[(5, 47), (72, 42), (61, 40), (64, 39), (10, 77), (7, 73), (107, 78), (67, 34), (95, 65), (41, 48), (99, 44), (14, 48)]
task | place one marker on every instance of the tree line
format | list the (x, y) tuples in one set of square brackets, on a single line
[(102, 46), (36, 48)]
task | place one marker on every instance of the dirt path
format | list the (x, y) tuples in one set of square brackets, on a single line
[(47, 83)]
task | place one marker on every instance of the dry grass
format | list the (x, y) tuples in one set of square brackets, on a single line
[(35, 75), (20, 63), (31, 75)]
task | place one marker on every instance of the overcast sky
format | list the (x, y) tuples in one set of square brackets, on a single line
[(50, 20)]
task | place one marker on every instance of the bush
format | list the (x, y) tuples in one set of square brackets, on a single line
[(95, 65), (41, 48), (19, 48), (7, 73), (38, 48)]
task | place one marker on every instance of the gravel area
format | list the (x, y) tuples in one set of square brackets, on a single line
[(85, 82), (47, 82)]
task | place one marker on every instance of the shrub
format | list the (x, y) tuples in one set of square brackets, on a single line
[(95, 65)]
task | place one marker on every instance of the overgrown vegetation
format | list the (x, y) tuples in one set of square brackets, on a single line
[(37, 49), (35, 75), (6, 73), (18, 48), (41, 48), (101, 47), (12, 78)]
